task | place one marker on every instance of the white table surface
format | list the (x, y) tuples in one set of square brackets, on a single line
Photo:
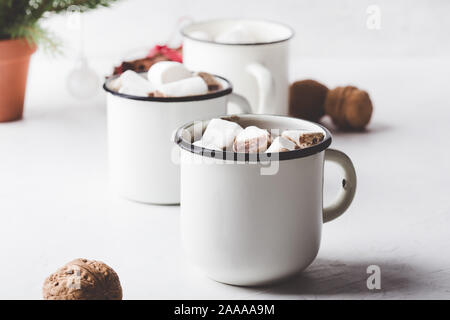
[(55, 204)]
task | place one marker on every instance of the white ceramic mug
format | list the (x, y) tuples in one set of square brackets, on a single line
[(258, 71), (243, 224), (140, 134)]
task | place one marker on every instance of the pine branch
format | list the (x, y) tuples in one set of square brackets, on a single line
[(20, 18), (83, 5)]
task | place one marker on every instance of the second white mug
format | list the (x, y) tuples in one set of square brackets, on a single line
[(258, 70)]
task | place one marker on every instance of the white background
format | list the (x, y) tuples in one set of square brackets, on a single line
[(325, 28), (54, 199)]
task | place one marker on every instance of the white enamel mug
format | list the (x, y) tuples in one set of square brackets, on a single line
[(258, 70), (250, 221), (140, 134)]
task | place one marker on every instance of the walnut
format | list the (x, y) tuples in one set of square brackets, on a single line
[(349, 107), (83, 279), (306, 100)]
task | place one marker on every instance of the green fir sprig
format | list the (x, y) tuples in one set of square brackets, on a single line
[(20, 18)]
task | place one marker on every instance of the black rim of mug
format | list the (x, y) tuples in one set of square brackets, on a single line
[(292, 33), (207, 96)]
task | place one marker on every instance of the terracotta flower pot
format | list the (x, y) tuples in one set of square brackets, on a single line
[(14, 60)]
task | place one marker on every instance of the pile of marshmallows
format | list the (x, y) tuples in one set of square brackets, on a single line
[(227, 135), (166, 79), (237, 34)]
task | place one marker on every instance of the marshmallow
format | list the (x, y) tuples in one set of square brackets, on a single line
[(184, 135), (202, 144), (201, 35), (211, 81), (281, 144), (132, 91), (187, 87), (293, 135), (236, 35), (167, 71), (252, 140), (221, 133), (115, 84), (303, 138), (132, 83)]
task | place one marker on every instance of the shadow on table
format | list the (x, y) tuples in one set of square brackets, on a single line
[(326, 277), (373, 128)]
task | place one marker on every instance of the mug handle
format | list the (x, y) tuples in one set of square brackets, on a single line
[(241, 102), (265, 83), (347, 194)]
